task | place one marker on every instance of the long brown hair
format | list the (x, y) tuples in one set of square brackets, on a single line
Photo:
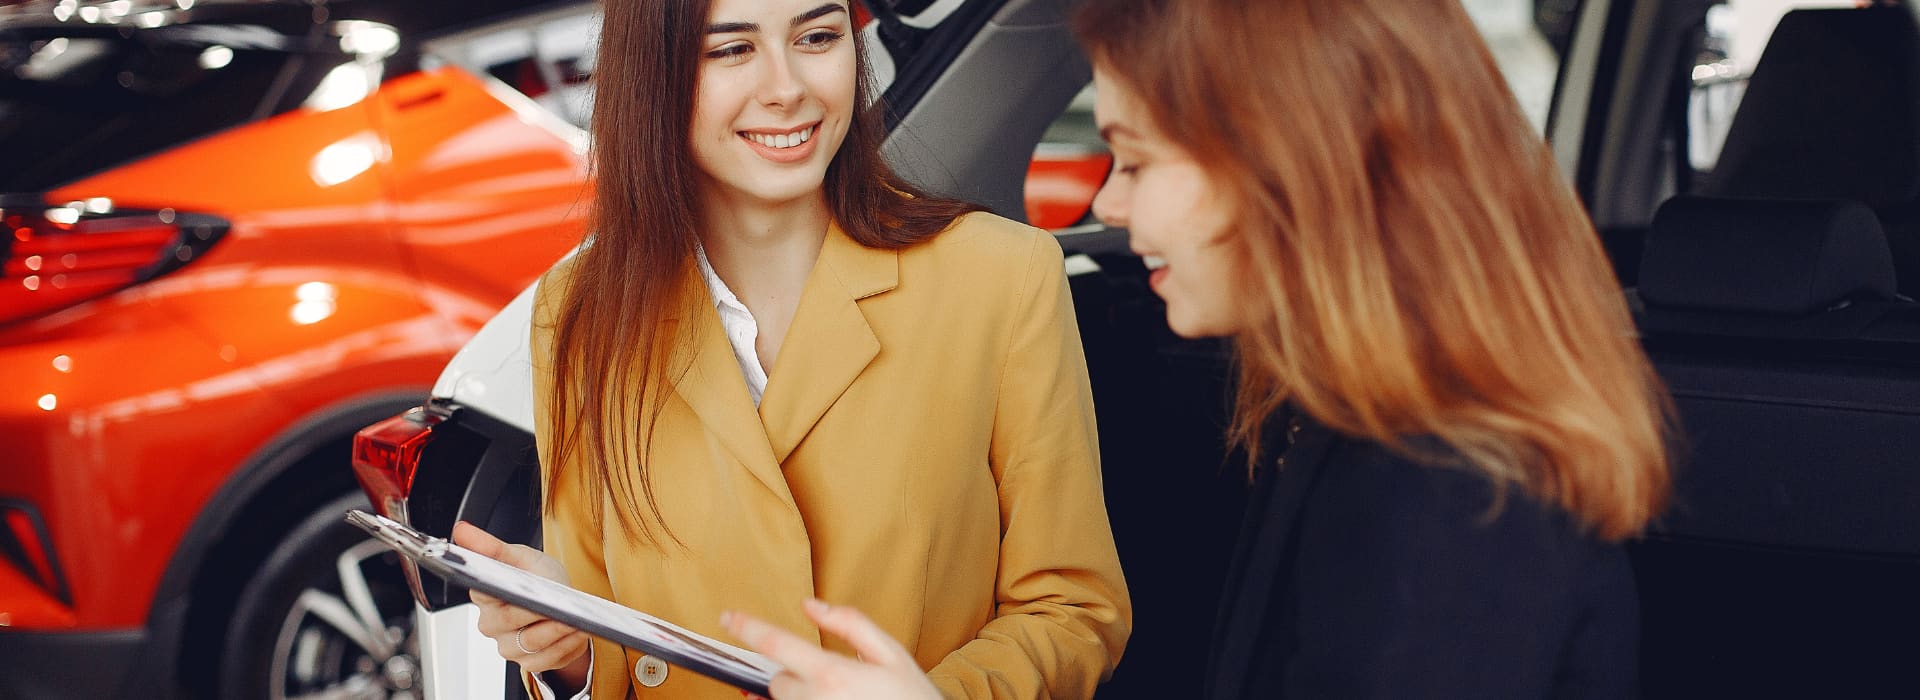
[(1421, 267), (613, 351)]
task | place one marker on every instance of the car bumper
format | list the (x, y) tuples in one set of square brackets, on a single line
[(75, 665), (465, 664)]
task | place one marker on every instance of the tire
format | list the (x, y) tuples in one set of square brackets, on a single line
[(328, 615)]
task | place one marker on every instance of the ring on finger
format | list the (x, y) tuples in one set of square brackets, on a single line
[(518, 642)]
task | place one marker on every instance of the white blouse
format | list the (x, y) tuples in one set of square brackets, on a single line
[(742, 330)]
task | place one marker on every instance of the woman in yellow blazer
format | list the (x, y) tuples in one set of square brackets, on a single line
[(789, 375)]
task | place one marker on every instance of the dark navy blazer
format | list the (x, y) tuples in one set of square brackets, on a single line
[(1362, 574)]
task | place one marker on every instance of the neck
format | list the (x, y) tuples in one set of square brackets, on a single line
[(736, 223), (761, 249)]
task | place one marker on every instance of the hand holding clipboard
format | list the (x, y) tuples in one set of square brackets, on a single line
[(583, 611), (538, 644)]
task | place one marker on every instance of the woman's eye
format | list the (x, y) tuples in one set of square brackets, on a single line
[(730, 51), (821, 39)]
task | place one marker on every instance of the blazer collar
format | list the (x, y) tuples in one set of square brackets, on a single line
[(1262, 557), (711, 384), (830, 342), (828, 345)]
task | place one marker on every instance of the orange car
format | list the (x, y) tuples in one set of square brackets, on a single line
[(234, 233)]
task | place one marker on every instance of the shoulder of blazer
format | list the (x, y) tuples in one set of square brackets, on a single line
[(991, 250)]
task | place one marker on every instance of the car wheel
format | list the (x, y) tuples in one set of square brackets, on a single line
[(328, 615)]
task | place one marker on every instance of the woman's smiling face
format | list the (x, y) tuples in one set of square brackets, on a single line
[(1178, 217), (775, 97)]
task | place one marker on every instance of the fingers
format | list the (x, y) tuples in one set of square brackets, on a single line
[(787, 686), (503, 620), (553, 645), (867, 639), (480, 541), (798, 655), (518, 556)]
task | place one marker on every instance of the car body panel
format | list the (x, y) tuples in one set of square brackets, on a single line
[(493, 373), (479, 196), (451, 631), (156, 429)]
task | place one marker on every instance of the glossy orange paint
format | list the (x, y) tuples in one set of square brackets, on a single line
[(163, 390), (484, 180), (1060, 187), (24, 606)]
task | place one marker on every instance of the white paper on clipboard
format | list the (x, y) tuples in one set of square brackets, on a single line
[(577, 609)]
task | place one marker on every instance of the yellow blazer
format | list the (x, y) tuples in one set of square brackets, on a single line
[(925, 451)]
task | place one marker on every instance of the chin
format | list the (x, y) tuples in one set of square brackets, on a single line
[(1193, 328), (1186, 326), (775, 189)]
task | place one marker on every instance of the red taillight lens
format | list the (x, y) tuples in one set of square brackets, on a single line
[(55, 257), (386, 455)]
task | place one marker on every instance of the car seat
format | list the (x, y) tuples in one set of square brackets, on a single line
[(1786, 564), (1832, 111)]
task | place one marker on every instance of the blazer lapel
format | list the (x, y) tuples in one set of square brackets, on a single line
[(829, 343), (1261, 560), (714, 388)]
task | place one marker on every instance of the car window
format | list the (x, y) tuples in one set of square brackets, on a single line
[(1068, 167), (1519, 34), (1730, 39), (548, 57)]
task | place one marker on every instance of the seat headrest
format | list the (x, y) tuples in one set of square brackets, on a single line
[(1832, 112), (1764, 256)]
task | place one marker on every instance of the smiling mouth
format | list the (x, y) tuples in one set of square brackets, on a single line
[(1154, 262), (791, 139)]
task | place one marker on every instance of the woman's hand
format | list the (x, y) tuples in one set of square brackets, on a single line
[(525, 637), (884, 670)]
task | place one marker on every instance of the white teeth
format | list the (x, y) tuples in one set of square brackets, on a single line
[(1154, 262), (786, 140)]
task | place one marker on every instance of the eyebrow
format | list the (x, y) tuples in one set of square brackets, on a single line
[(751, 27)]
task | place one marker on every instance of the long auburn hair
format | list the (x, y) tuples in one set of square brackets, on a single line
[(1422, 269), (615, 356)]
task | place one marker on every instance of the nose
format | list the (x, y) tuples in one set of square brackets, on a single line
[(1110, 203), (780, 86)]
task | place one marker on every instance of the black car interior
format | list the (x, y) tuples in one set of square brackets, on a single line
[(1775, 302)]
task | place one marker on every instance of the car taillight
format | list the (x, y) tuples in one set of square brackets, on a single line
[(53, 257), (387, 454)]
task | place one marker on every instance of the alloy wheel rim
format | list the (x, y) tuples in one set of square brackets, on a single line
[(348, 635)]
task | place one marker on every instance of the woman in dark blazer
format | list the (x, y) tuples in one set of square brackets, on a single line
[(1361, 573), (1455, 424)]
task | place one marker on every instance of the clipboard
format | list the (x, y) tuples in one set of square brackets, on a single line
[(578, 609)]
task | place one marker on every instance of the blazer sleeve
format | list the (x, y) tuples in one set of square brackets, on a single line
[(568, 531), (1421, 582), (1061, 610)]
